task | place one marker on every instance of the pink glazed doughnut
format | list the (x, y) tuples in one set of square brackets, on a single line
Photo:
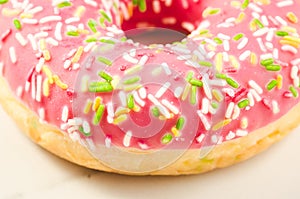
[(77, 86)]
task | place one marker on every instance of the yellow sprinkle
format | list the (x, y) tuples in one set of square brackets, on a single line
[(46, 89), (291, 43), (79, 11), (48, 73), (77, 55), (132, 87), (121, 111), (253, 26), (219, 62), (264, 2), (97, 102), (46, 55), (221, 124), (293, 39), (253, 59), (240, 18), (10, 12), (218, 95), (136, 108), (236, 4), (175, 132), (42, 43), (289, 29), (186, 92), (292, 17), (26, 15), (83, 31), (59, 83), (88, 106), (279, 80), (120, 119), (235, 63), (244, 123)]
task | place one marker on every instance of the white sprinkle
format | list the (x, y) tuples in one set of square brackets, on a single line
[(188, 26), (29, 21), (110, 109), (211, 54), (295, 61), (243, 43), (276, 53), (50, 19), (143, 93), (107, 142), (229, 91), (275, 107), (127, 139), (1, 68), (270, 35), (166, 68), (255, 86), (123, 98), (281, 21), (178, 91), (273, 20), (200, 138), (161, 108), (212, 110), (241, 133), (162, 90), (244, 55), (206, 86), (91, 3), (255, 8), (261, 32), (169, 20), (229, 110), (76, 66), (261, 44), (225, 56), (52, 41), (284, 3), (90, 144), (170, 106), (156, 6), (86, 127), (198, 54), (109, 119), (143, 146), (251, 99), (205, 105), (204, 120), (236, 112), (58, 29), (73, 134), (19, 37), (181, 50), (289, 48), (184, 57), (12, 54), (35, 10), (27, 86), (41, 112), (255, 15), (218, 82), (255, 95), (138, 99), (67, 64), (132, 52), (294, 72), (41, 34), (130, 59), (230, 135), (266, 56), (124, 10), (226, 45), (264, 20), (143, 60), (75, 121), (72, 20), (223, 36), (269, 45), (65, 114), (89, 47), (296, 81), (33, 84), (39, 80)]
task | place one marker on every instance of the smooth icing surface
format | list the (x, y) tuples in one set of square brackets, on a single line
[(45, 47)]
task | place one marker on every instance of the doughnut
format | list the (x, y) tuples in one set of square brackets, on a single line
[(80, 87)]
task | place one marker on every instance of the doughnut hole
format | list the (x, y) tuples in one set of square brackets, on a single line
[(178, 19)]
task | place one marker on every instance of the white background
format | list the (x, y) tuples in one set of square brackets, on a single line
[(27, 171)]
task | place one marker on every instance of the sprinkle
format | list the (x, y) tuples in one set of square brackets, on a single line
[(72, 20), (73, 33), (294, 91), (236, 112), (229, 110), (162, 90), (120, 119), (253, 58), (133, 70), (243, 43), (143, 93), (143, 60), (281, 21), (132, 80), (255, 86), (130, 59), (166, 68), (255, 95), (50, 19), (289, 48), (161, 108), (296, 82), (238, 36), (167, 138), (294, 72), (273, 67), (104, 61), (219, 62), (88, 106), (65, 114), (105, 15), (243, 103), (193, 97), (21, 39), (279, 80), (77, 55), (221, 124), (241, 133), (175, 132), (127, 139), (260, 25), (180, 123), (130, 101), (204, 120), (244, 55), (232, 82), (33, 86), (267, 62), (3, 1), (46, 55), (245, 4), (12, 54), (64, 4), (275, 107), (170, 106), (186, 92), (105, 76), (58, 29), (59, 83), (17, 24), (155, 111), (281, 4), (138, 99), (98, 114), (38, 88), (272, 84), (282, 33), (102, 87), (292, 17)]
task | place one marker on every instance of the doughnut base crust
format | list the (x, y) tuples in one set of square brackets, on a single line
[(228, 153)]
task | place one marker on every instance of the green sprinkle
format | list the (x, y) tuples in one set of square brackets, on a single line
[(73, 33), (193, 98), (196, 82), (294, 91), (102, 22), (135, 2), (106, 17), (243, 103), (272, 84), (17, 24), (142, 5), (107, 41), (100, 87), (215, 104), (238, 36), (205, 63), (104, 61), (167, 138), (214, 11), (98, 114), (273, 67), (282, 33), (232, 82), (83, 132), (203, 32), (221, 76), (132, 80), (189, 76), (123, 39), (155, 111), (130, 101), (64, 4), (218, 40), (180, 123), (91, 40), (92, 25), (258, 23), (105, 76), (245, 4), (267, 62), (3, 1)]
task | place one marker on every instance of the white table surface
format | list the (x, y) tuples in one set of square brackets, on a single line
[(27, 171)]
